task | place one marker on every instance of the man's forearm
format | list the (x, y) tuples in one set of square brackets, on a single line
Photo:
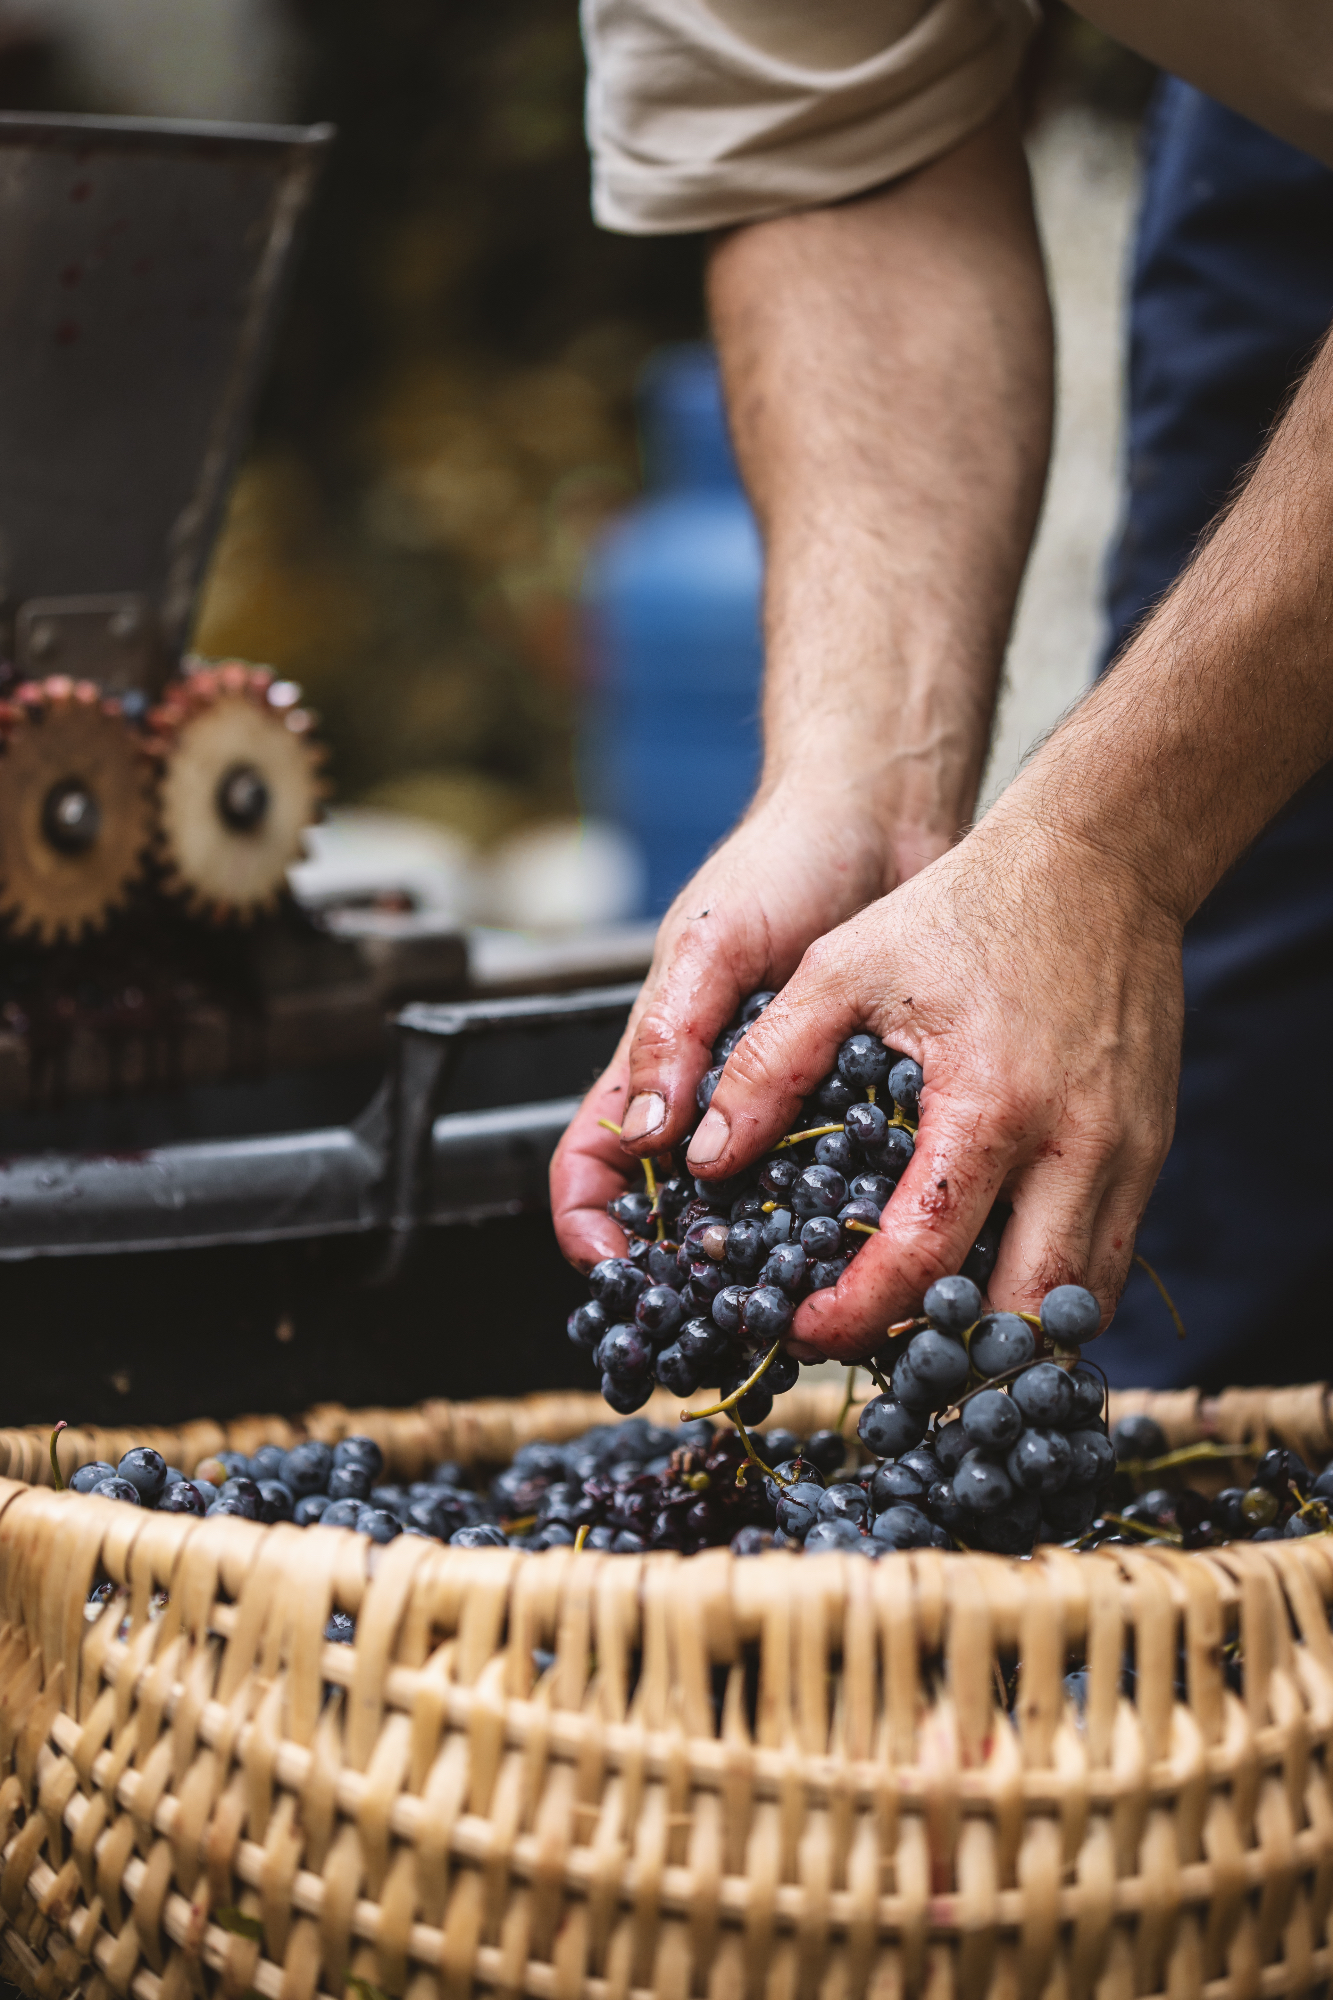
[(888, 368), (1222, 707)]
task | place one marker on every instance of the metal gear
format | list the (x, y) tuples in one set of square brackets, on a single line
[(76, 808), (239, 783)]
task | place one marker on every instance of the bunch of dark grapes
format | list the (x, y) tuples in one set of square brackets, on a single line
[(626, 1487), (1285, 1499), (1025, 1459), (715, 1270)]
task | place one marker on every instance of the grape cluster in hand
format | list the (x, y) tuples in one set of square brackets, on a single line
[(715, 1270), (1025, 1459)]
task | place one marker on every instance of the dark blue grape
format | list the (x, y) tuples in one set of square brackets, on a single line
[(701, 1341), (226, 1504), (778, 1228), (905, 1082), (624, 1354), (944, 1506), (658, 1312), (1002, 1341), (833, 1537), (785, 1267), (360, 1451), (306, 1467), (1089, 1396), (778, 1176), (887, 1427), (953, 1305), (783, 1373), (865, 1125), (844, 1501), (981, 1485), (184, 1497), (309, 1508), (863, 1212), (482, 1536), (767, 1314), (863, 1060), (234, 1463), (1139, 1437), (1093, 1458), (895, 1155), (980, 1261), (756, 1403), (752, 1008), (349, 1482), (627, 1396), (266, 1463), (1044, 1395), (798, 1508), (818, 1191), (663, 1266), (727, 1307), (379, 1524), (835, 1150), (894, 1483), (275, 1500), (931, 1372), (1070, 1314), (834, 1098), (634, 1213), (745, 1246), (91, 1475), (992, 1420), (146, 1471), (952, 1444), (1040, 1461), (708, 1083), (586, 1325), (677, 1371), (825, 1450), (821, 1237), (826, 1273), (874, 1188), (616, 1284), (904, 1527), (245, 1492), (751, 1541)]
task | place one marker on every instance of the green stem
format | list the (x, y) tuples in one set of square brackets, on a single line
[(55, 1463), (1167, 1299), (727, 1406)]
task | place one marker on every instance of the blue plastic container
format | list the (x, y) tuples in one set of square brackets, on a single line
[(669, 739)]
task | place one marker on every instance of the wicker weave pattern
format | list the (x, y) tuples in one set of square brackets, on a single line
[(779, 1777)]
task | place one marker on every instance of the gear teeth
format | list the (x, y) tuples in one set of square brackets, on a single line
[(219, 718), (61, 732)]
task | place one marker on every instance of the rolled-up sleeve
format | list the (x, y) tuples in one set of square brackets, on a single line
[(700, 114)]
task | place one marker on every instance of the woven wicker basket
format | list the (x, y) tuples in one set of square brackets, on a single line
[(777, 1777)]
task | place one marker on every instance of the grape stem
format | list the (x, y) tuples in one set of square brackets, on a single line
[(581, 1537), (1167, 1299), (865, 1228), (1149, 1534), (848, 1399), (815, 1132), (63, 1425), (727, 1406), (607, 1126), (650, 1183), (1185, 1454), (885, 1388)]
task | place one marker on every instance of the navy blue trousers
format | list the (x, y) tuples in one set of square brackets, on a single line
[(1232, 291)]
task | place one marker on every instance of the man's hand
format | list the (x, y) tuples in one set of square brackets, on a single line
[(1038, 986), (740, 925), (888, 372)]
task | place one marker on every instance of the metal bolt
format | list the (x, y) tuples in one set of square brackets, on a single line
[(242, 798), (71, 817)]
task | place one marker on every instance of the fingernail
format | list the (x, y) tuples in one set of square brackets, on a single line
[(710, 1141), (647, 1113)]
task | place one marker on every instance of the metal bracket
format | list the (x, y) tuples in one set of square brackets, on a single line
[(111, 639), (427, 1046)]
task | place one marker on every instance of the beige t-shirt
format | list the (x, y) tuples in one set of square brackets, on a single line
[(707, 112)]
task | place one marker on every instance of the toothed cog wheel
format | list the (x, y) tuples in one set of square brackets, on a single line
[(76, 809), (239, 785)]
